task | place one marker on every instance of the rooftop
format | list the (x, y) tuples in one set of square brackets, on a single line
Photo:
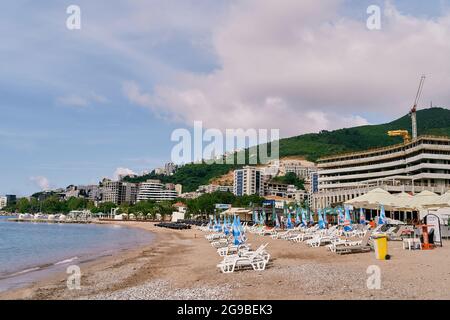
[(381, 149)]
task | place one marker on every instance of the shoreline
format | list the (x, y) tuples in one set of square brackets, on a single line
[(43, 271), (182, 265)]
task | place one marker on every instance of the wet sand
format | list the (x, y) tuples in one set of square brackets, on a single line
[(181, 264)]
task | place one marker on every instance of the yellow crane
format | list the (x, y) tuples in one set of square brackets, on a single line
[(400, 133)]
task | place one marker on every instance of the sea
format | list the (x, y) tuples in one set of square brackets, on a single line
[(31, 251)]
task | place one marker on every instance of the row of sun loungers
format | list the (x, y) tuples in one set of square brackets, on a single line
[(335, 238), (236, 257)]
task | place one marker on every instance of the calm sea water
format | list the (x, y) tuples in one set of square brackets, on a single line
[(29, 251)]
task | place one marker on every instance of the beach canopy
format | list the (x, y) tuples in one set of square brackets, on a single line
[(403, 201), (444, 200), (373, 200), (425, 198)]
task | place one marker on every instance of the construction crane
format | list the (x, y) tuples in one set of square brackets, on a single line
[(400, 133), (412, 113)]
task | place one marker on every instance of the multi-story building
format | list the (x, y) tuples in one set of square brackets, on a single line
[(296, 195), (301, 168), (119, 192), (273, 188), (3, 202), (422, 164), (111, 191), (190, 195), (287, 191), (11, 198), (248, 181), (91, 192), (170, 168), (179, 189), (210, 188), (129, 192), (155, 190)]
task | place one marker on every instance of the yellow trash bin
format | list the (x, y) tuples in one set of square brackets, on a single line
[(381, 247)]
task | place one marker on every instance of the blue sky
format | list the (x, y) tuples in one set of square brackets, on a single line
[(67, 117)]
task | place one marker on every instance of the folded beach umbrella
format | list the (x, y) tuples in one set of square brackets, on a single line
[(382, 217), (325, 216), (255, 217), (340, 217), (289, 221), (347, 220), (297, 216), (274, 213), (236, 235), (219, 226), (321, 222), (215, 223), (311, 218), (277, 222), (362, 216), (304, 222), (226, 230)]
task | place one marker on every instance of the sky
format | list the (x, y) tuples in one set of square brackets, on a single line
[(80, 105)]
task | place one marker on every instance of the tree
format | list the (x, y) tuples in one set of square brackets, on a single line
[(23, 205), (53, 205), (104, 207), (76, 204), (164, 208)]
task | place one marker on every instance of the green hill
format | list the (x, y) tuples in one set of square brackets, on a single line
[(434, 121)]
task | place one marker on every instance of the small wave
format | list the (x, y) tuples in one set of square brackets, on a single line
[(24, 271), (66, 261)]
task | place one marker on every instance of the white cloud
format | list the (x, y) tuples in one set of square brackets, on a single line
[(81, 101), (73, 101), (122, 172), (300, 66), (41, 182)]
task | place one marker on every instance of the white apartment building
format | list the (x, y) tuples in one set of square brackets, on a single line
[(210, 188), (301, 168), (248, 181), (3, 202), (155, 190), (422, 164)]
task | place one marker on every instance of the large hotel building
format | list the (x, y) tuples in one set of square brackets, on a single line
[(422, 164)]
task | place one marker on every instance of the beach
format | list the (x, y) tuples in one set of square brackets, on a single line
[(181, 264)]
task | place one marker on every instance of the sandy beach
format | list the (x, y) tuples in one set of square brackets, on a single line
[(181, 264)]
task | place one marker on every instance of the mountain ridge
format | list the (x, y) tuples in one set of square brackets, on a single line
[(311, 146)]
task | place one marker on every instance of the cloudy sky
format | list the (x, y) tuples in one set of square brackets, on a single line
[(79, 105)]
